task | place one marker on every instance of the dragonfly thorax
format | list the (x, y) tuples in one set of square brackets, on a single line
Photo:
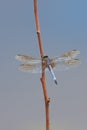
[(46, 61)]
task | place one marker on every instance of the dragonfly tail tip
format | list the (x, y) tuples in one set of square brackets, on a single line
[(55, 82)]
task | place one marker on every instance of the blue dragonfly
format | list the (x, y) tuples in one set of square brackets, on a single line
[(39, 65)]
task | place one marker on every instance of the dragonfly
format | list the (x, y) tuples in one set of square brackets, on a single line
[(39, 65)]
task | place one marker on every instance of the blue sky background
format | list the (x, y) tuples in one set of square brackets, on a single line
[(63, 28)]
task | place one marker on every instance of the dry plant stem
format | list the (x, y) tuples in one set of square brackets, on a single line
[(43, 78), (38, 28), (47, 101)]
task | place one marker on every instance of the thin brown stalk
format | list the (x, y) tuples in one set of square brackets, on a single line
[(43, 78)]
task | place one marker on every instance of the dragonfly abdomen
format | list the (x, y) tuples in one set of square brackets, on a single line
[(52, 73)]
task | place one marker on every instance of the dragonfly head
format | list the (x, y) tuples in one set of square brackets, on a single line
[(44, 57), (44, 61)]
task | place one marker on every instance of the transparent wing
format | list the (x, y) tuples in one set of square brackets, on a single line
[(66, 60), (32, 68), (62, 62), (67, 56), (32, 65), (65, 65), (27, 59)]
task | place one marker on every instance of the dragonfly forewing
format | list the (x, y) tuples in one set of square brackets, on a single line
[(27, 59), (67, 56)]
